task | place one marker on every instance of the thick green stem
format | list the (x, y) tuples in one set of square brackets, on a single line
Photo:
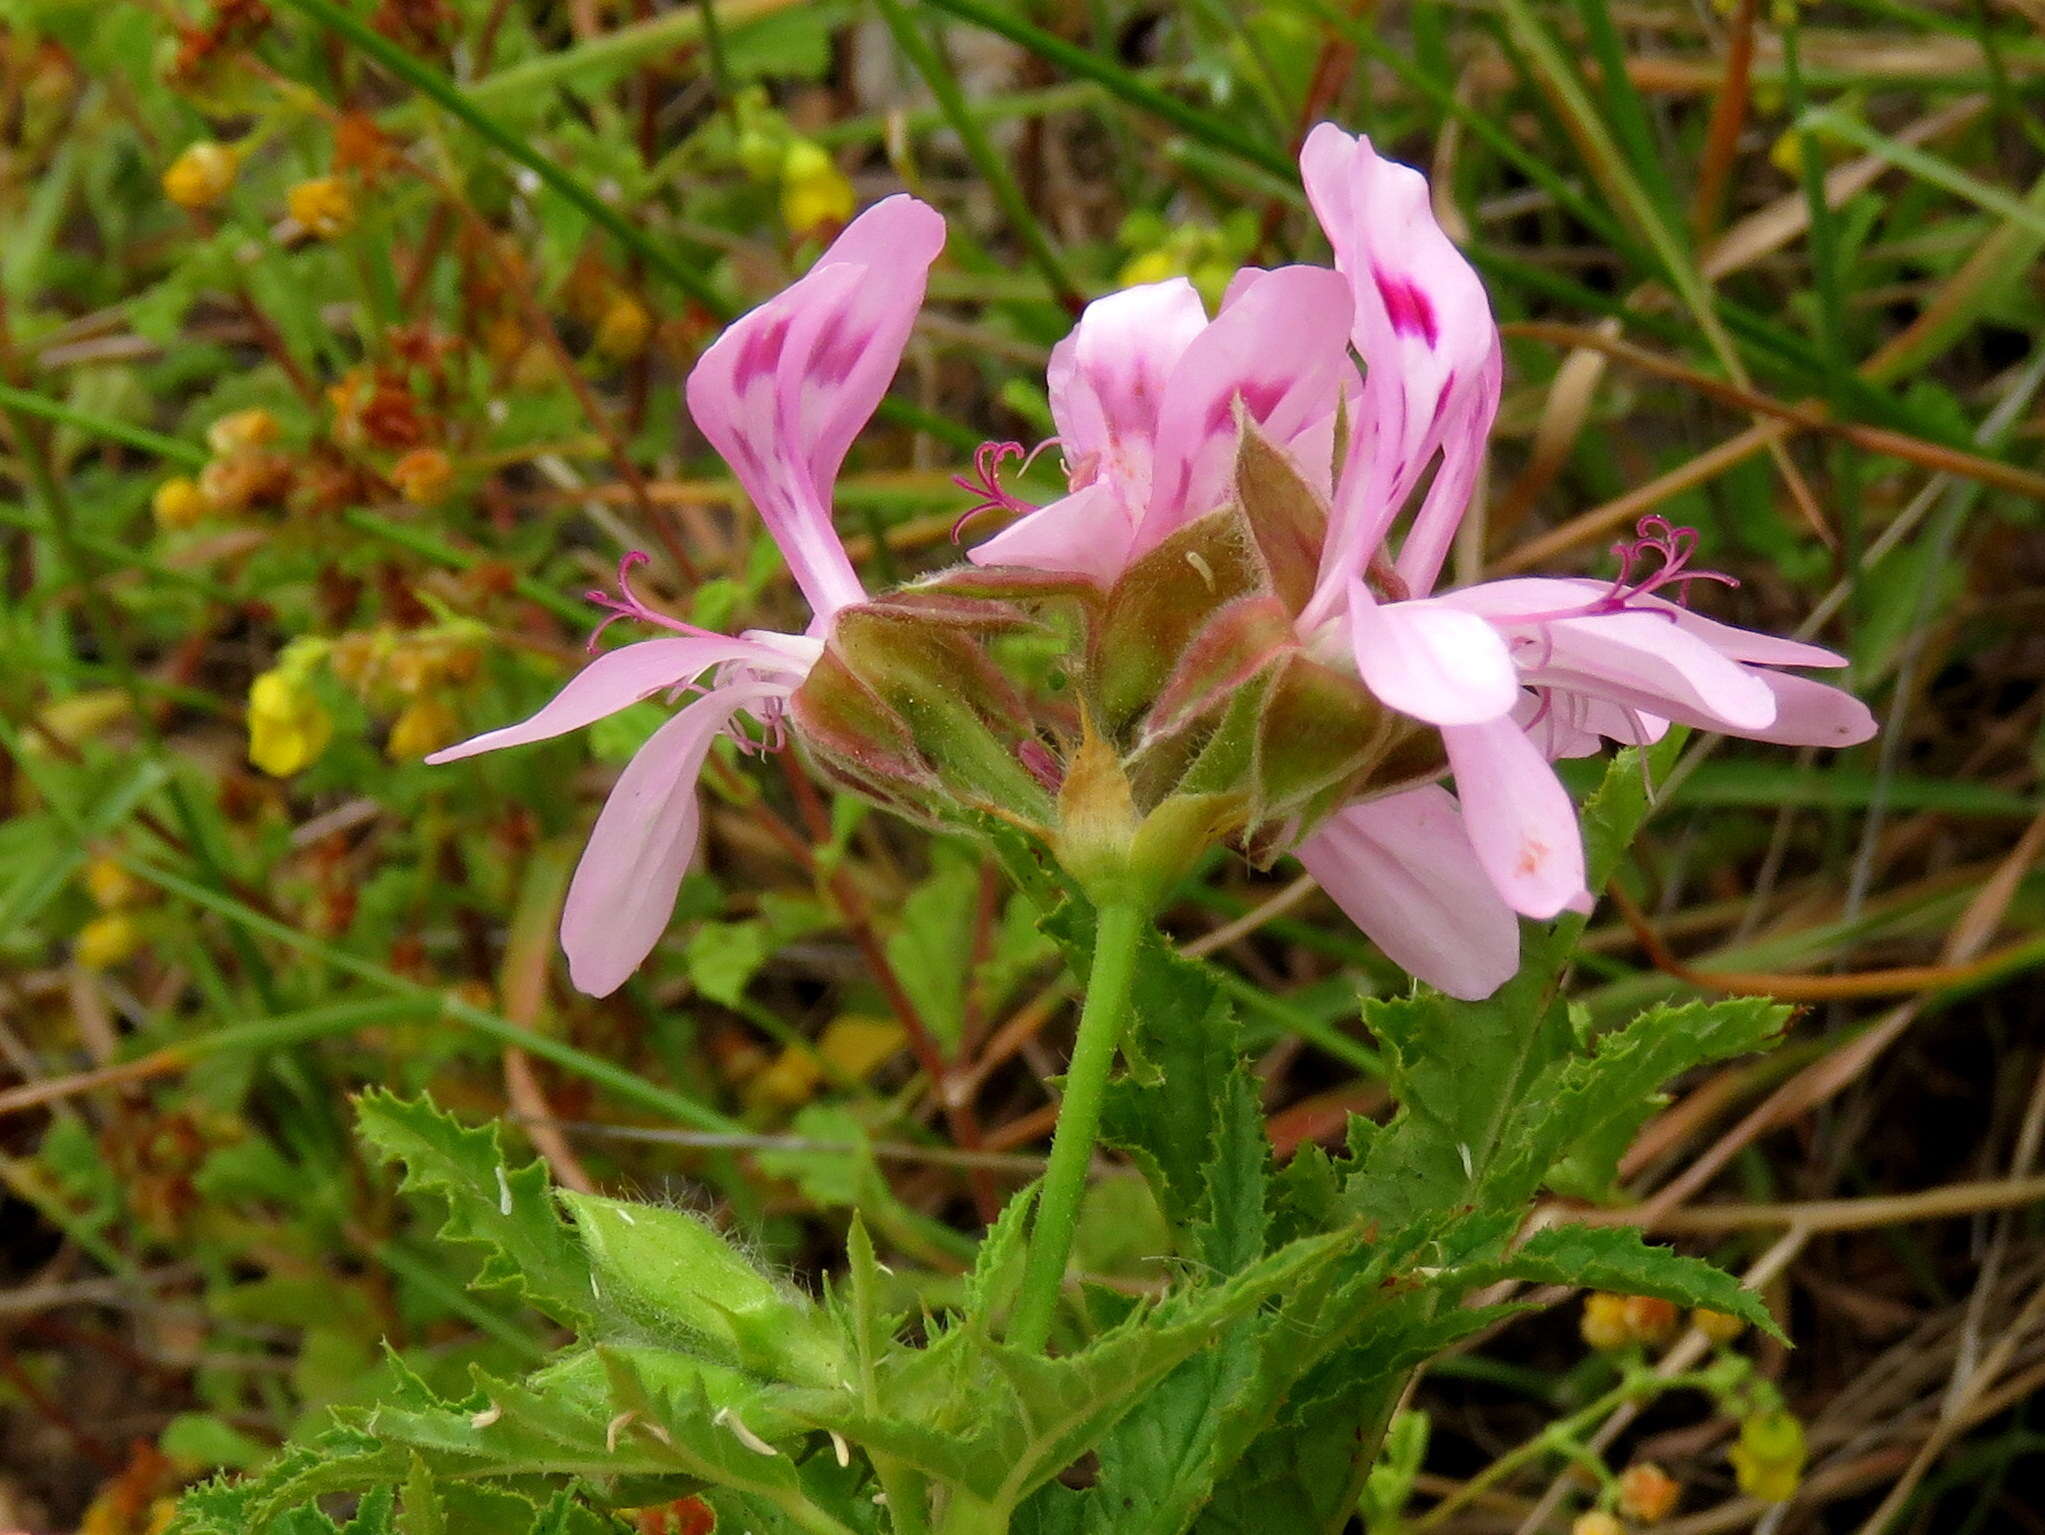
[(1116, 938)]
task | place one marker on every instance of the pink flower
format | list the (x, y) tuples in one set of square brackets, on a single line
[(781, 394), (1513, 673), (1144, 394)]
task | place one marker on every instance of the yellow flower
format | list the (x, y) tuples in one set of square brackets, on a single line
[(107, 940), (288, 726), (1596, 1522), (242, 429), (1769, 1459), (1604, 1321), (424, 725), (621, 333), (423, 476), (323, 206), (814, 192), (201, 175), (178, 503), (1718, 1326), (112, 886)]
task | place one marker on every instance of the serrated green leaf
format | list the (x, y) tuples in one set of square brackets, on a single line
[(342, 1459), (1185, 1107), (509, 1212), (375, 1514), (1460, 1070), (476, 1508), (1616, 1258), (998, 1422), (997, 1266), (1307, 1471), (1590, 1105), (422, 1513), (930, 950)]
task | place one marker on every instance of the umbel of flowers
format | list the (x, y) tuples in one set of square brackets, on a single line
[(1245, 565)]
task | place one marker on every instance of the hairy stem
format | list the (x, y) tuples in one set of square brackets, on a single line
[(1101, 1022)]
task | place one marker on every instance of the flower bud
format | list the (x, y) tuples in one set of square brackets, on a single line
[(672, 1273), (201, 175), (108, 940), (904, 707), (178, 504), (1769, 1458), (1596, 1522), (323, 206), (814, 192), (423, 476), (1647, 1492)]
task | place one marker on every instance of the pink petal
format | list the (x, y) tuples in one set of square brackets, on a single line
[(1280, 349), (1810, 713), (1521, 821), (1422, 324), (1524, 596), (1403, 870), (782, 393), (1642, 660), (1432, 661), (1554, 728), (623, 892), (1739, 644), (1107, 381), (613, 681), (1088, 532), (1560, 594), (1576, 725)]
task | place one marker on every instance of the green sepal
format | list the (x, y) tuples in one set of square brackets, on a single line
[(676, 1278)]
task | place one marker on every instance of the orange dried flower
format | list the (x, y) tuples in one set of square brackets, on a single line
[(1651, 1320), (244, 481), (1647, 1492), (251, 428), (361, 147), (423, 476)]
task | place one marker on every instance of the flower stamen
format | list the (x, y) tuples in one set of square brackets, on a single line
[(985, 481), (1669, 547), (629, 605)]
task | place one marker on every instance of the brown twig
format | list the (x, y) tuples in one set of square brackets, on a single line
[(1728, 117)]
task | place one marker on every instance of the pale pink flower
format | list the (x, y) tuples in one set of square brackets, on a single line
[(1144, 395), (1512, 673), (781, 394)]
